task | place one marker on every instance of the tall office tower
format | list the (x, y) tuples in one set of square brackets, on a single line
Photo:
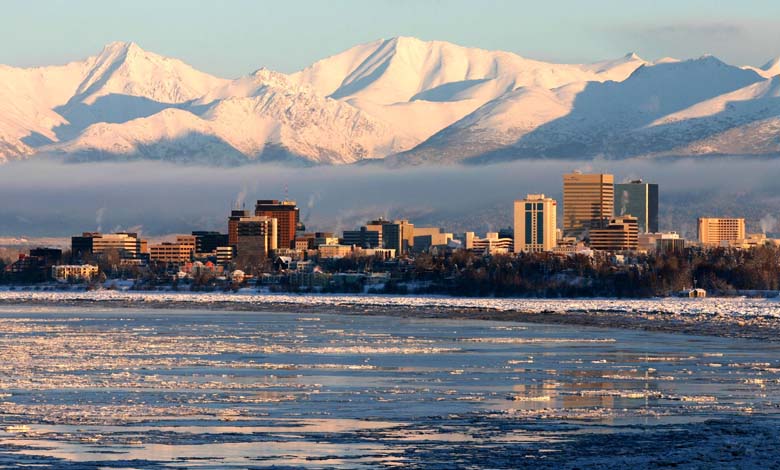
[(81, 246), (235, 216), (257, 236), (621, 234), (398, 235), (376, 226), (588, 202), (287, 216), (716, 231), (640, 200), (535, 224)]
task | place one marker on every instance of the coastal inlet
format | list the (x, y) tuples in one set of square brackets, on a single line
[(98, 387)]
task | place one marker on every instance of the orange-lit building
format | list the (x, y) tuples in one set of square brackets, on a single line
[(287, 217), (235, 216)]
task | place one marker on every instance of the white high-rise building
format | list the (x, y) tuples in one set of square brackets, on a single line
[(535, 224)]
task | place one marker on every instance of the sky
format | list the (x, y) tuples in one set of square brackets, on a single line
[(230, 38)]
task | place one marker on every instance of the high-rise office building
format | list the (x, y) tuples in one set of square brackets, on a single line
[(235, 216), (287, 216), (81, 246), (535, 224), (588, 202), (257, 236), (639, 200), (398, 235), (717, 231), (620, 234)]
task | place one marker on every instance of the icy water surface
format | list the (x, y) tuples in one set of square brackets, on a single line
[(122, 388)]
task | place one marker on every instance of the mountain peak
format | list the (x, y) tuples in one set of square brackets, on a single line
[(772, 67), (120, 47), (632, 56)]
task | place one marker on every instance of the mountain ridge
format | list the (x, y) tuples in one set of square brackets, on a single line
[(402, 100)]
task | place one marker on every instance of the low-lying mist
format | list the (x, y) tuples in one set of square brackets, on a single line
[(42, 197)]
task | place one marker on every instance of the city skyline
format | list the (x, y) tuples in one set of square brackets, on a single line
[(395, 233), (595, 213)]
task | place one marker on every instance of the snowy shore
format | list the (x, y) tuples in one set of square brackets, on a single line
[(733, 317)]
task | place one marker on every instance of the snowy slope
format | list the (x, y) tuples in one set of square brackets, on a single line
[(654, 111), (403, 69), (243, 118), (411, 100), (42, 105), (420, 87)]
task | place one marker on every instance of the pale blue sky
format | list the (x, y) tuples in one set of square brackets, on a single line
[(231, 38)]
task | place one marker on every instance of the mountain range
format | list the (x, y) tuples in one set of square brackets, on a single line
[(403, 100)]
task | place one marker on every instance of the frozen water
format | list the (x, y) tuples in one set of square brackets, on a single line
[(97, 387)]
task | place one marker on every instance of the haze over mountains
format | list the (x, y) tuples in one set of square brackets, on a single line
[(403, 100)]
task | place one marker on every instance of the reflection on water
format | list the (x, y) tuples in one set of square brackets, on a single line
[(141, 389)]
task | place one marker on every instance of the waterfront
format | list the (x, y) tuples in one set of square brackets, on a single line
[(101, 387)]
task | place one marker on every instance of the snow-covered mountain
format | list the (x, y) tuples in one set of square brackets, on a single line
[(660, 109), (410, 100)]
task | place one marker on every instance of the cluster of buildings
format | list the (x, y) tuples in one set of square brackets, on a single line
[(597, 215)]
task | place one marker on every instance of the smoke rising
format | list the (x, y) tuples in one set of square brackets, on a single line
[(768, 223), (42, 197)]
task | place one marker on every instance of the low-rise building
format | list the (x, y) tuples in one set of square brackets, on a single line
[(74, 272), (492, 244), (570, 246), (670, 242), (620, 234), (334, 251), (426, 238), (383, 253), (125, 243), (224, 254), (363, 238), (168, 252)]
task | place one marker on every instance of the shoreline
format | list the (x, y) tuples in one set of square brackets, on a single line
[(735, 318)]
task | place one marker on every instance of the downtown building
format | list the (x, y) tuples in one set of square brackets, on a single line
[(429, 239), (666, 243), (126, 244), (535, 228), (73, 272), (287, 217), (721, 231), (207, 242), (171, 252), (639, 200), (256, 237), (588, 202), (399, 236), (620, 234), (492, 244), (363, 237), (236, 215)]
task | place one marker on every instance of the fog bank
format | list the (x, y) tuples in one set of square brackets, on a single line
[(48, 198)]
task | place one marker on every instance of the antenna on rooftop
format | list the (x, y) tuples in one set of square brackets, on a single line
[(286, 192)]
